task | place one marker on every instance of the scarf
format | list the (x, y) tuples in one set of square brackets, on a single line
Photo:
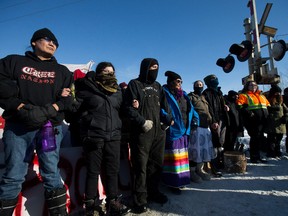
[(178, 94), (107, 82)]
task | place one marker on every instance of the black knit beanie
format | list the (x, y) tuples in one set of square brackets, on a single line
[(274, 89), (42, 33), (208, 78), (171, 76)]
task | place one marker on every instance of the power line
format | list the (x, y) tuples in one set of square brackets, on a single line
[(16, 4), (41, 11)]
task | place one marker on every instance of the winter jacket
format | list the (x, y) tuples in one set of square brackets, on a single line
[(178, 129), (34, 82), (277, 118), (202, 108), (216, 103), (100, 118), (253, 105), (235, 118), (253, 108), (138, 89)]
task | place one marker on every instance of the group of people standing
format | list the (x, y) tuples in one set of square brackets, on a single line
[(172, 134)]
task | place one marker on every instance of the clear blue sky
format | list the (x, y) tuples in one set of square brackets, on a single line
[(186, 36)]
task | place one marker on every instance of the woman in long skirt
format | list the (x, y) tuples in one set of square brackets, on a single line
[(176, 173)]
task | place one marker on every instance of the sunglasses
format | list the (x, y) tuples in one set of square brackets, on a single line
[(47, 39), (179, 81)]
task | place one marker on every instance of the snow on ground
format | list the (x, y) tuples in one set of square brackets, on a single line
[(261, 190)]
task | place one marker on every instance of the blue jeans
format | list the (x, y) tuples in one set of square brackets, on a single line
[(19, 145)]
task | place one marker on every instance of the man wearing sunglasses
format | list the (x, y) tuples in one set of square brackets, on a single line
[(34, 89)]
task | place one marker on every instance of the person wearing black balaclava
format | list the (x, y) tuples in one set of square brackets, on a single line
[(147, 138), (220, 119), (200, 148), (100, 131)]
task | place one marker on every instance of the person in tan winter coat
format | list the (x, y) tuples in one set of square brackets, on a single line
[(277, 119), (200, 148)]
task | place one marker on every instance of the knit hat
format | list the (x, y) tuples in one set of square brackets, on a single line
[(274, 89), (232, 93), (123, 85), (171, 76), (208, 78), (78, 74), (42, 33)]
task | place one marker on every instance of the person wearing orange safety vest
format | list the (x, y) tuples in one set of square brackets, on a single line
[(253, 106)]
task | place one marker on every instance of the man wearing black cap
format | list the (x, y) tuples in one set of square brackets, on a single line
[(147, 139), (34, 89)]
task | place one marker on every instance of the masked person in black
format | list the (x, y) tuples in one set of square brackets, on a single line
[(147, 139), (220, 119), (100, 129)]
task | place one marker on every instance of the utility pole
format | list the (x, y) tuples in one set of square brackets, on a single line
[(258, 68)]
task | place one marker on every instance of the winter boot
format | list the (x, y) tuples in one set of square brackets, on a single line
[(200, 172), (93, 208), (56, 202), (115, 207), (193, 175), (7, 206), (214, 168)]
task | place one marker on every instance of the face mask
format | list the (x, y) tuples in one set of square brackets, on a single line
[(152, 76), (214, 83), (198, 90)]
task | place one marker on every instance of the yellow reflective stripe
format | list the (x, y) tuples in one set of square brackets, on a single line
[(259, 106), (252, 106)]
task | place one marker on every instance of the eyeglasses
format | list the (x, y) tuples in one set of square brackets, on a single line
[(47, 39), (179, 81)]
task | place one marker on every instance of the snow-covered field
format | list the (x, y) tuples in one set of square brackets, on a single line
[(261, 190)]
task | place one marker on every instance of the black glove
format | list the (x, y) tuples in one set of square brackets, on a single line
[(65, 103), (49, 111), (273, 108), (194, 124), (284, 119), (250, 113), (194, 127), (33, 117)]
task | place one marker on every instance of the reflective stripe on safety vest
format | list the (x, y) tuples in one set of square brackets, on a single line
[(253, 106)]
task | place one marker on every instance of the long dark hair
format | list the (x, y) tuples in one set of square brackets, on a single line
[(102, 65)]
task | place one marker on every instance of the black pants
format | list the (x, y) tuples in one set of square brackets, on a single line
[(147, 155), (274, 141), (105, 159)]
